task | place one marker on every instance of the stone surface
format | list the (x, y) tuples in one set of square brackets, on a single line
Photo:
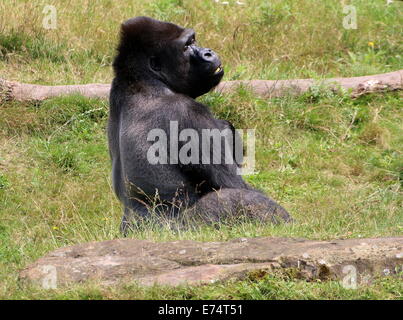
[(192, 262)]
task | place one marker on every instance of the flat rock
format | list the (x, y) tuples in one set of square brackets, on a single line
[(191, 262)]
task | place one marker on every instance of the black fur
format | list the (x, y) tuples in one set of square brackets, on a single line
[(158, 73)]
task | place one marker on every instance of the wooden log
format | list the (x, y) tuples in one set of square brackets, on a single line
[(11, 90)]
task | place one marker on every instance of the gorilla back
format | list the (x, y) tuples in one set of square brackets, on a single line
[(159, 71)]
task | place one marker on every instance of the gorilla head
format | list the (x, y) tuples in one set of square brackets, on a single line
[(151, 49)]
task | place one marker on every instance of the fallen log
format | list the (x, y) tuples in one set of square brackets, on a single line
[(11, 90), (358, 85)]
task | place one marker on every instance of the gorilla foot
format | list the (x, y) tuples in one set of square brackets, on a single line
[(226, 206), (239, 204)]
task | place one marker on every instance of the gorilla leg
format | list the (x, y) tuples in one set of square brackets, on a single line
[(154, 212), (132, 214), (227, 204), (224, 205)]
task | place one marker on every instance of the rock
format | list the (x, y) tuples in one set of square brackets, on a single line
[(191, 262)]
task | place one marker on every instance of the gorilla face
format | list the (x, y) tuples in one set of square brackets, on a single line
[(154, 50), (190, 69)]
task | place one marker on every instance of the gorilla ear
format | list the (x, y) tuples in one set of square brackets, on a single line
[(155, 63)]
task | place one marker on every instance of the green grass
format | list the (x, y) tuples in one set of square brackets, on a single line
[(334, 162)]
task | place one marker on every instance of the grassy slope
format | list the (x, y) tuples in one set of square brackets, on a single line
[(335, 163), (278, 39)]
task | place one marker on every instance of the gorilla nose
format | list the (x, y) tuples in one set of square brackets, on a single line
[(208, 55)]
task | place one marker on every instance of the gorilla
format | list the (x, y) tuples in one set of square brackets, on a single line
[(159, 71)]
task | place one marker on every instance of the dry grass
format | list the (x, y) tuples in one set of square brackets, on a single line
[(273, 40)]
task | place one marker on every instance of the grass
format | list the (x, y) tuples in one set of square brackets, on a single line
[(279, 39), (335, 163)]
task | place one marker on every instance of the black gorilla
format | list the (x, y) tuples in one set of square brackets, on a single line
[(159, 71)]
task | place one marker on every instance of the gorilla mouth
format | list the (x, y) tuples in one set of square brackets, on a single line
[(218, 70)]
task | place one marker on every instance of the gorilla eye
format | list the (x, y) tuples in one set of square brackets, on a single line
[(189, 43)]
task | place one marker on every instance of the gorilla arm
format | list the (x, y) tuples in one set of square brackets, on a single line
[(217, 167)]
